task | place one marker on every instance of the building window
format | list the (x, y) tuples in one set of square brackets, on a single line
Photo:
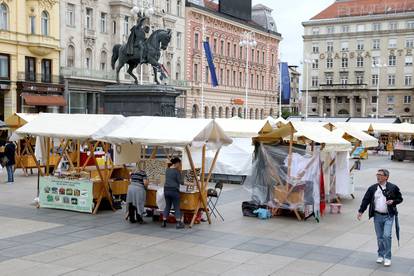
[(408, 80), (391, 80), (252, 55), (314, 100), (46, 70), (70, 14), (315, 82), (88, 59), (375, 80), (315, 64), (344, 80), (179, 38), (373, 99), (360, 28), (360, 61), (345, 29), (263, 83), (375, 44), (257, 82), (392, 60), (315, 48), (4, 67), (329, 47), (178, 7), (32, 20), (390, 99), (344, 46), (195, 73), (392, 43), (168, 6), (45, 23), (89, 20), (228, 49), (330, 29), (228, 77), (360, 45), (409, 43), (329, 63), (103, 22), (315, 31), (251, 80), (376, 27), (409, 61), (30, 69), (241, 84), (258, 56), (393, 25), (329, 80), (375, 61), (104, 58), (360, 79), (344, 63), (234, 78), (70, 56), (206, 78), (241, 52), (178, 71), (196, 42), (194, 111), (114, 27), (126, 25), (407, 99), (410, 25), (4, 17)]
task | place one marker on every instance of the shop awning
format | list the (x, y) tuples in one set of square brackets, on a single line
[(40, 100)]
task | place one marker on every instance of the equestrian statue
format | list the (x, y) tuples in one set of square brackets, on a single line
[(141, 50)]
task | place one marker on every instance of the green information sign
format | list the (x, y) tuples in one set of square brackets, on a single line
[(59, 193)]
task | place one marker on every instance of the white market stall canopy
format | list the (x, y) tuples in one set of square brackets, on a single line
[(76, 126), (366, 127), (168, 131), (365, 139), (386, 128), (240, 128)]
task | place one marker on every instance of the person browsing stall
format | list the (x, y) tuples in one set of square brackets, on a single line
[(173, 180), (136, 196)]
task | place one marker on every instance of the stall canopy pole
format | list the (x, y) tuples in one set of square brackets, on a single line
[(63, 150), (78, 166), (34, 157), (213, 165), (91, 149), (47, 156)]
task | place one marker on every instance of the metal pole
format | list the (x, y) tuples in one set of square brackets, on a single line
[(307, 89), (247, 77), (280, 88), (378, 81), (202, 70)]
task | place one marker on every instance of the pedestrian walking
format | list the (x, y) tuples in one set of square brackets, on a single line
[(9, 160), (382, 198)]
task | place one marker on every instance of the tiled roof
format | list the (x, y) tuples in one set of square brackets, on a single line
[(347, 8)]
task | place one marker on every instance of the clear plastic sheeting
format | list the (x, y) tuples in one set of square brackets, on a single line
[(270, 183)]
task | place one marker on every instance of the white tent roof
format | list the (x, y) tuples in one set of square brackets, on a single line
[(358, 126), (404, 128), (366, 140), (241, 128), (77, 126), (168, 131)]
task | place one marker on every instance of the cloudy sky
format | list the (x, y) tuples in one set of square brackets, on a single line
[(289, 15)]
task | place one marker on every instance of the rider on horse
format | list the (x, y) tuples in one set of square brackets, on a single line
[(137, 37)]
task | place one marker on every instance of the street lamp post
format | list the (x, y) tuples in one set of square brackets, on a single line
[(248, 40), (378, 66), (306, 63)]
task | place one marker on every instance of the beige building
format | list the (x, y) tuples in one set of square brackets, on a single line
[(354, 47)]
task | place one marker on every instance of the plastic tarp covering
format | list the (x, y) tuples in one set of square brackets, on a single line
[(342, 174), (270, 184), (76, 126), (168, 131), (235, 159)]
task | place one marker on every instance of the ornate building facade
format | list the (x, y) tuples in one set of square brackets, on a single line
[(29, 57), (224, 34), (91, 28), (356, 48)]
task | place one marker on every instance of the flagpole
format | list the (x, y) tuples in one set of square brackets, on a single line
[(202, 68), (280, 88)]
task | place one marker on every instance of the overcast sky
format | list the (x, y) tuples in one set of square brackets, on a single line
[(289, 14)]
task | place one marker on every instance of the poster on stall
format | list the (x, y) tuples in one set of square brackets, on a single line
[(59, 193)]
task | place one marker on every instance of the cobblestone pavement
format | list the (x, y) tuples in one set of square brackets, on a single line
[(54, 242)]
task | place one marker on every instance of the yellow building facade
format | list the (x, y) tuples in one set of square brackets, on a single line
[(29, 57)]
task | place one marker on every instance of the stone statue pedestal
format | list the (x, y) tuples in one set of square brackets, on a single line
[(140, 100)]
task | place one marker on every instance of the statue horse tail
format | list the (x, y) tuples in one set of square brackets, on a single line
[(115, 55)]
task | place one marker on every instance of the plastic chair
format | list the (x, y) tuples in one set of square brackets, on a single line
[(213, 196)]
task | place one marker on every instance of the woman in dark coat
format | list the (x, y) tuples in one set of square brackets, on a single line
[(9, 156)]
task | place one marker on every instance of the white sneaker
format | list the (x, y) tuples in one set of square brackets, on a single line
[(387, 262), (380, 260)]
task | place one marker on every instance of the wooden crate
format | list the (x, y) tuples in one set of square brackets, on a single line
[(119, 187)]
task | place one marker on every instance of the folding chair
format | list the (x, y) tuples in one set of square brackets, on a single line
[(213, 196)]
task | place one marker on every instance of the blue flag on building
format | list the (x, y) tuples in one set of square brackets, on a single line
[(285, 85), (211, 66)]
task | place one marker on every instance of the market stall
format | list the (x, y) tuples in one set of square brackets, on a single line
[(287, 175), (74, 133), (184, 135)]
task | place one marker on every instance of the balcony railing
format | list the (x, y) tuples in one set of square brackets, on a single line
[(343, 86), (84, 73), (90, 33), (37, 78)]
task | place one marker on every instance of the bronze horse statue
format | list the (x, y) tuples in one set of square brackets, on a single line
[(150, 54)]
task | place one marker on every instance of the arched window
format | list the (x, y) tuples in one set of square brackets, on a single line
[(227, 112), (88, 59), (262, 114), (206, 112), (256, 114), (194, 111), (178, 71), (220, 114), (45, 23), (233, 112), (343, 112), (169, 68), (271, 112), (251, 114), (104, 58), (4, 17), (213, 112), (70, 56), (239, 113)]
